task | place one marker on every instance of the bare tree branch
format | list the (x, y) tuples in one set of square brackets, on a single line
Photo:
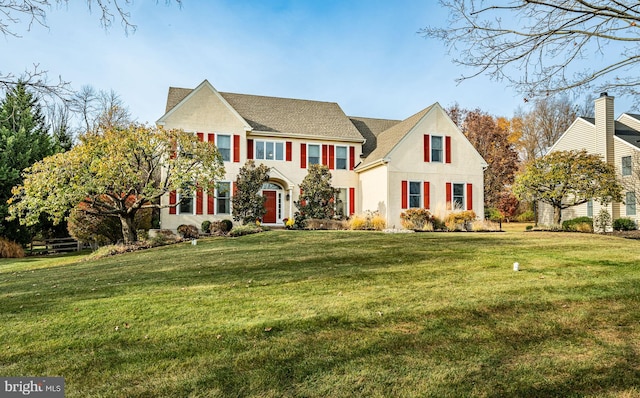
[(544, 47)]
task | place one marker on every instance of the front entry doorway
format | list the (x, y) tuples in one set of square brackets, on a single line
[(273, 194)]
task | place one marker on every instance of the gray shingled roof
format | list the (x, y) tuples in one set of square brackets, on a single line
[(389, 138), (370, 128), (288, 116)]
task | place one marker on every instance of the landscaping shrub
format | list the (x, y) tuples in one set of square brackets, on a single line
[(205, 226), (378, 222), (247, 229), (10, 249), (602, 221), (371, 220), (227, 225), (164, 237), (460, 220), (357, 222), (624, 224), (221, 227), (416, 219), (580, 224), (188, 231)]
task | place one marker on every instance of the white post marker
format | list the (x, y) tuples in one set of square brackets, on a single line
[(516, 266)]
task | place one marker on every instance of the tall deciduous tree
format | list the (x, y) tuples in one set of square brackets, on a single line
[(492, 138), (316, 194), (248, 204), (116, 174), (564, 179), (23, 141), (543, 125), (546, 47)]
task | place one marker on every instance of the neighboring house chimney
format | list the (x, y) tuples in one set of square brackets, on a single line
[(605, 127)]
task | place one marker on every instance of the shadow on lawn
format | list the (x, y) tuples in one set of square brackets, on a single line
[(462, 353)]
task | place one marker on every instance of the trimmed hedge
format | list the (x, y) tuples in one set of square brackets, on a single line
[(624, 224), (577, 224)]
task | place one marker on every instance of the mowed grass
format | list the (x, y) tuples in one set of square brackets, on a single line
[(333, 314)]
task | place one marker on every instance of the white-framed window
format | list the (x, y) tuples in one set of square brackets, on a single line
[(223, 143), (269, 150), (630, 203), (223, 198), (458, 195), (341, 157), (437, 146), (415, 194), (590, 208), (626, 165), (313, 154), (185, 205)]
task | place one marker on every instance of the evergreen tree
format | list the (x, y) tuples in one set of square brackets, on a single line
[(316, 194), (23, 141), (248, 204)]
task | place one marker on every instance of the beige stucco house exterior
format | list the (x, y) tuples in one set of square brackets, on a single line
[(377, 164), (618, 142)]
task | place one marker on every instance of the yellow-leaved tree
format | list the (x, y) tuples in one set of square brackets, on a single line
[(116, 173)]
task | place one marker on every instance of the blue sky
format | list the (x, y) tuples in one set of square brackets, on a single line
[(366, 55)]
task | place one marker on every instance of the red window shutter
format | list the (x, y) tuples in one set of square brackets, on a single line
[(332, 157), (469, 197), (303, 156), (211, 137), (249, 149), (325, 155), (427, 148), (200, 137), (449, 193), (352, 201), (288, 150), (447, 148), (405, 194), (210, 201), (352, 157), (236, 148), (234, 188), (173, 198), (427, 195), (199, 200)]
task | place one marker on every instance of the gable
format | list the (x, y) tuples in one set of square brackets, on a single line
[(406, 138), (581, 134), (202, 108)]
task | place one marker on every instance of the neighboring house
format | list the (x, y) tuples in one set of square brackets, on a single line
[(378, 165), (618, 142)]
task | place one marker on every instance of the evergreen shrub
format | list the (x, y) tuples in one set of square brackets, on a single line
[(624, 224)]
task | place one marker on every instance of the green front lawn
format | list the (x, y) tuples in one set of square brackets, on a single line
[(338, 314)]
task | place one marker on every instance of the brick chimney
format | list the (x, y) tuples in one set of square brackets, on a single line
[(605, 127)]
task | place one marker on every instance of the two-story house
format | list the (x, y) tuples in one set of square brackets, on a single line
[(377, 164), (618, 142)]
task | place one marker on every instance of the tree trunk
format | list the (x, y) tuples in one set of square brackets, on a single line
[(129, 233), (557, 215)]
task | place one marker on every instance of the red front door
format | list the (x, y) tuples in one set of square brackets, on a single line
[(270, 204)]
